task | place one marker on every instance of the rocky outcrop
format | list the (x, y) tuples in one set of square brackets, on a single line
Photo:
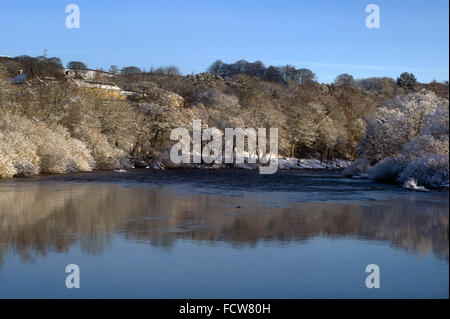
[(150, 92), (204, 77)]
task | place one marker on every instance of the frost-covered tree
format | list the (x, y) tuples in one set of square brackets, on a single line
[(303, 122), (400, 121), (407, 134)]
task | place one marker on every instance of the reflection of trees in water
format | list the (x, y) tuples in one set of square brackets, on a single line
[(417, 226), (41, 218)]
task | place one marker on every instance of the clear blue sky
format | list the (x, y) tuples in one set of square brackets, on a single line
[(329, 37)]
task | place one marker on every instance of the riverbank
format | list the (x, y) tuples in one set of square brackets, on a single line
[(283, 163)]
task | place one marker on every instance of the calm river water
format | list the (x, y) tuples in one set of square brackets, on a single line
[(220, 234)]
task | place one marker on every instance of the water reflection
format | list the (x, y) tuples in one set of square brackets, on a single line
[(37, 219)]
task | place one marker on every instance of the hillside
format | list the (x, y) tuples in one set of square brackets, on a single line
[(55, 122)]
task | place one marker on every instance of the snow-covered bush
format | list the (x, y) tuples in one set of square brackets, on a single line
[(21, 152), (431, 171), (400, 121), (28, 147), (60, 153), (7, 168), (359, 166), (424, 145), (388, 169), (436, 122), (105, 155), (409, 138)]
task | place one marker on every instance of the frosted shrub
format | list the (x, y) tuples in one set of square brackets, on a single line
[(7, 169), (59, 153), (424, 145), (17, 146), (217, 109), (431, 171), (359, 166), (387, 170), (410, 137), (402, 120), (436, 122), (28, 147), (105, 155)]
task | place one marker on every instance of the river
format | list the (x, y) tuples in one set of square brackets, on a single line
[(220, 234)]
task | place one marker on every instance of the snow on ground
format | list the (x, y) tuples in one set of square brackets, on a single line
[(312, 163), (283, 163), (411, 184)]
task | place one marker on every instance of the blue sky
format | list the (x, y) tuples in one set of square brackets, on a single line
[(328, 37)]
